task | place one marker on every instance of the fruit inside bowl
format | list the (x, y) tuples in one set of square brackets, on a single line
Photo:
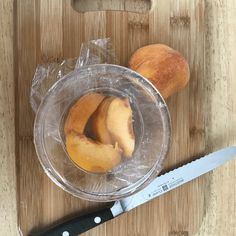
[(112, 138), (102, 132)]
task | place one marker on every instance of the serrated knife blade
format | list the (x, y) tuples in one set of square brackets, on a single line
[(178, 177), (159, 186)]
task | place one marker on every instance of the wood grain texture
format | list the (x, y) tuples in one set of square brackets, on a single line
[(7, 117), (220, 216), (181, 24), (212, 209)]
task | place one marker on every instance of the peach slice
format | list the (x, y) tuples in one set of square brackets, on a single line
[(90, 155), (99, 125), (81, 111), (112, 123), (166, 68)]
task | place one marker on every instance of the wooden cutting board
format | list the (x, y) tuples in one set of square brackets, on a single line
[(49, 30)]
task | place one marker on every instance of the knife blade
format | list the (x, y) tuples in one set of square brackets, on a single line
[(159, 186)]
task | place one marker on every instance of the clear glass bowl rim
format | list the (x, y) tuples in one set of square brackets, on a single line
[(139, 185)]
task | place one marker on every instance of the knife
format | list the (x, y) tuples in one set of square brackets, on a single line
[(159, 186)]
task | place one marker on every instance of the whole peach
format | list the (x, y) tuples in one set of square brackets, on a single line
[(163, 66)]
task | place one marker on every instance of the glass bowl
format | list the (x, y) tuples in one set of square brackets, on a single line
[(151, 126)]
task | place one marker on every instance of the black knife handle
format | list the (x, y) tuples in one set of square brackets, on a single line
[(79, 225)]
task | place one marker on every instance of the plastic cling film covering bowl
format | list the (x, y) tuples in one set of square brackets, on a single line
[(99, 51), (150, 113), (45, 76), (151, 126)]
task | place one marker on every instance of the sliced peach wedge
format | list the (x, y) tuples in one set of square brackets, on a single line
[(90, 155), (112, 123), (81, 111), (99, 124)]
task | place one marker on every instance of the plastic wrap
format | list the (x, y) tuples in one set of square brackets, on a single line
[(56, 87), (98, 51)]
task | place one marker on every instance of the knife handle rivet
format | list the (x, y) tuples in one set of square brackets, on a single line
[(65, 233), (97, 219)]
